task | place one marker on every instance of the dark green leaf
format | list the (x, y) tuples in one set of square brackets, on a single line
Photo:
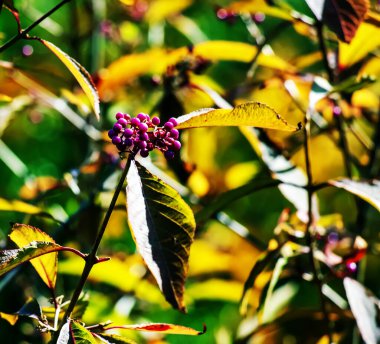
[(353, 84), (365, 307), (80, 334), (163, 226)]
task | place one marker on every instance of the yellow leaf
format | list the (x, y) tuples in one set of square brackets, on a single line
[(249, 114), (216, 289), (46, 265), (365, 98), (161, 9), (367, 39), (83, 77), (11, 318), (18, 206), (240, 174)]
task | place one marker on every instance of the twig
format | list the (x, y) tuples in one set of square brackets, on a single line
[(23, 33), (322, 45), (92, 259)]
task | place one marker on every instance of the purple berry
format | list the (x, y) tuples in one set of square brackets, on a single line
[(168, 125), (111, 133), (128, 142), (117, 127), (169, 154), (128, 132), (142, 144), (176, 145), (141, 117), (150, 146), (123, 122), (116, 140), (135, 121), (127, 117), (119, 115), (155, 120), (174, 133), (144, 153), (121, 146), (174, 121), (143, 127), (144, 137), (169, 140)]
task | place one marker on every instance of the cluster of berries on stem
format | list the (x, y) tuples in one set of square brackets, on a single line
[(142, 134)]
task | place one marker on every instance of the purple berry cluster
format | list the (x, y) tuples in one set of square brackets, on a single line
[(142, 134)]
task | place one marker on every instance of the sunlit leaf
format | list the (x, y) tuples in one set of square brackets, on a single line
[(162, 9), (365, 307), (19, 206), (80, 335), (81, 75), (367, 190), (11, 318), (46, 266), (341, 16), (162, 328), (249, 114), (163, 226), (64, 334), (216, 289), (115, 339), (360, 46), (9, 259)]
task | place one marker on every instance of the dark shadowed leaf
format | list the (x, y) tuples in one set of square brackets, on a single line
[(365, 307), (46, 266), (9, 259), (80, 334), (161, 328), (262, 261), (163, 226), (251, 114), (342, 16), (367, 190), (80, 73)]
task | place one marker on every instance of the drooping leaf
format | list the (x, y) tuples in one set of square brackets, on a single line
[(19, 206), (365, 307), (367, 190), (9, 259), (115, 339), (249, 114), (262, 261), (46, 266), (79, 72), (80, 335), (162, 328), (163, 226), (342, 16)]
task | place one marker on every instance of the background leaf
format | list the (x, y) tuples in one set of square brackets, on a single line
[(46, 266), (163, 226), (249, 114), (80, 334), (82, 76)]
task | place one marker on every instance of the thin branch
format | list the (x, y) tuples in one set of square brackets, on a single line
[(322, 45), (24, 33)]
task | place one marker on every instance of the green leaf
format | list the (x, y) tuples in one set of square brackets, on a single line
[(367, 190), (46, 266), (343, 17), (251, 114), (80, 334), (262, 261), (115, 339), (230, 196), (353, 84), (365, 307), (9, 259), (163, 226), (80, 73)]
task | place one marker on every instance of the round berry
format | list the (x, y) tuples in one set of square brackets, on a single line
[(174, 133), (150, 146), (155, 120), (141, 117), (169, 154), (142, 144), (170, 140), (174, 121), (128, 132), (116, 140), (144, 153), (143, 127), (144, 137), (176, 145), (121, 146), (111, 133), (117, 127), (135, 121), (119, 115), (169, 125), (123, 122), (128, 142), (127, 116)]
